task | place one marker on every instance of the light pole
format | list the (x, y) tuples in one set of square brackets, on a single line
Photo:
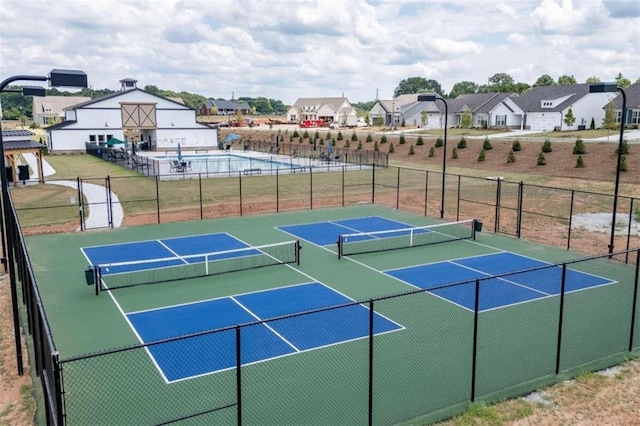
[(432, 98), (56, 78), (613, 87)]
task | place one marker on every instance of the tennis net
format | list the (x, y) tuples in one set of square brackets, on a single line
[(128, 274), (368, 242)]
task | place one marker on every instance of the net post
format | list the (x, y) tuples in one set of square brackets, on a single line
[(411, 237), (206, 265), (473, 229), (298, 252), (561, 317), (339, 242), (97, 278)]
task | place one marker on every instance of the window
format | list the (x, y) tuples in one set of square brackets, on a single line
[(618, 116), (635, 117), (100, 138), (109, 137), (92, 138), (501, 120), (547, 104)]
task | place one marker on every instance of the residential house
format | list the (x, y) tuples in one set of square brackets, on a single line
[(133, 115), (331, 110), (545, 107), (223, 107), (404, 108), (633, 106), (50, 109), (491, 109)]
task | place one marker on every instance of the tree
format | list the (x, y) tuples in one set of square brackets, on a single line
[(424, 118), (431, 152), (520, 88), (579, 147), (420, 141), (417, 85), (544, 80), (463, 88), (465, 121), (402, 140), (609, 121), (486, 145), (454, 153), (391, 149), (481, 156), (516, 146), (546, 146), (541, 160), (501, 82), (439, 142), (569, 118), (567, 79), (579, 162), (262, 105), (622, 81), (411, 150), (593, 79), (511, 157), (462, 143)]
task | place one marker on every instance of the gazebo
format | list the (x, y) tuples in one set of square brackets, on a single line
[(17, 143)]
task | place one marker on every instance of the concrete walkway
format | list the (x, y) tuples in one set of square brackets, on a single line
[(95, 196)]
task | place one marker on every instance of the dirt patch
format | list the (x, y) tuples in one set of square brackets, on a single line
[(17, 406)]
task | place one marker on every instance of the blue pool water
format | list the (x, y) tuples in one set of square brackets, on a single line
[(229, 163)]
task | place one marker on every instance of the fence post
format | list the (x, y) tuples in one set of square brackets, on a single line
[(371, 333), (519, 213), (277, 191), (570, 219), (240, 190), (458, 200), (238, 376), (474, 361), (158, 196), (373, 183), (311, 187), (496, 225), (80, 204), (426, 191), (57, 387), (561, 317), (635, 300), (630, 220), (109, 202)]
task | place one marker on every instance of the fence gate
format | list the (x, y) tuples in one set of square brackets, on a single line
[(508, 207), (94, 203)]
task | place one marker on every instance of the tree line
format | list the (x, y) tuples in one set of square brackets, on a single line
[(500, 82)]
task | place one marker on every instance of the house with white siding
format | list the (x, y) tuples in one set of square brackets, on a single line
[(330, 110), (133, 115)]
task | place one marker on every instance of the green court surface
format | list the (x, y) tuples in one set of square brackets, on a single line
[(424, 370)]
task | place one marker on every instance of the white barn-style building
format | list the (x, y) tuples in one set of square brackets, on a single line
[(132, 115)]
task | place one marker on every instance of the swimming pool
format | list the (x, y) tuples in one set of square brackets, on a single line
[(231, 163)]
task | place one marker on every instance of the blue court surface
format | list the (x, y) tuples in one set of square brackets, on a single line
[(214, 352), (171, 251), (494, 292), (325, 233)]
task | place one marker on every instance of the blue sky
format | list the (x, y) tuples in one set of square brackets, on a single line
[(321, 48)]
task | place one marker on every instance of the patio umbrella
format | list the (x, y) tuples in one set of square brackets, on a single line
[(179, 152), (232, 137)]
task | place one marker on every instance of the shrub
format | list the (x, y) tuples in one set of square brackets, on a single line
[(486, 145), (375, 146), (511, 158), (420, 141), (579, 147), (290, 138), (391, 150), (340, 137), (317, 135), (305, 135), (411, 150), (354, 137), (592, 126), (546, 146), (454, 153), (402, 140), (623, 163), (369, 138), (296, 134), (347, 144), (516, 146), (359, 146), (439, 142), (579, 162), (383, 139), (462, 143), (481, 155), (431, 152), (328, 136), (541, 160), (321, 141), (333, 142), (625, 148)]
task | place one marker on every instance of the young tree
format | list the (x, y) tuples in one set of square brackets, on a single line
[(609, 121), (569, 118), (579, 147), (391, 149), (462, 143), (424, 118), (481, 155), (454, 153), (402, 139), (546, 146), (516, 146), (439, 142), (579, 162), (511, 158), (411, 150), (541, 160), (465, 121), (486, 145), (431, 152), (420, 141)]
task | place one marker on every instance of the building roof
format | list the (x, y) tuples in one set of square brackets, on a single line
[(116, 94), (633, 97), (224, 104), (531, 100), (56, 104), (333, 103), (23, 144), (14, 133)]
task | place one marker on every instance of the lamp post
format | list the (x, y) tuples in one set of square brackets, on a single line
[(56, 77), (432, 98), (613, 87)]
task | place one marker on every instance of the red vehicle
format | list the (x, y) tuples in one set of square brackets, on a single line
[(312, 123)]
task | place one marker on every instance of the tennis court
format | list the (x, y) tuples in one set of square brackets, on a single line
[(206, 320)]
